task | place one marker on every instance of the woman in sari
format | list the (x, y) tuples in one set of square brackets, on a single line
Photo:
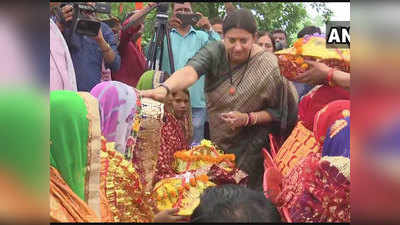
[(75, 188), (177, 131), (247, 98), (118, 106), (89, 180)]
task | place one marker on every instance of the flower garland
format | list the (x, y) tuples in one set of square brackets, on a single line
[(197, 153), (179, 191), (298, 46)]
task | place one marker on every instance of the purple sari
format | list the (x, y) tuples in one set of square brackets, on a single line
[(117, 103)]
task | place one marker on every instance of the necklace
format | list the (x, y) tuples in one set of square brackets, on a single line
[(232, 89)]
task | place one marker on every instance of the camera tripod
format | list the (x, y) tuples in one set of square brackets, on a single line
[(162, 31)]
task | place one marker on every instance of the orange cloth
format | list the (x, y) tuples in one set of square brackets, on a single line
[(297, 146), (65, 205)]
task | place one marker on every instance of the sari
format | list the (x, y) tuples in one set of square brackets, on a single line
[(76, 189), (118, 107), (90, 180), (316, 99), (327, 116), (337, 141), (317, 190), (260, 87)]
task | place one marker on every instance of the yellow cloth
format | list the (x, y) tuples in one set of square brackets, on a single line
[(177, 192), (316, 47)]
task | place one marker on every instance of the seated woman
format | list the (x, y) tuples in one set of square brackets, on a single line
[(177, 129), (89, 178)]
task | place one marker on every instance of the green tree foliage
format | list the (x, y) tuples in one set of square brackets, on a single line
[(288, 16)]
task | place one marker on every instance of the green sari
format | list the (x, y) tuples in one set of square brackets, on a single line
[(75, 143)]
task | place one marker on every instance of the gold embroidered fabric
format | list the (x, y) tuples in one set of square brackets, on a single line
[(149, 141), (341, 163), (92, 183), (123, 188)]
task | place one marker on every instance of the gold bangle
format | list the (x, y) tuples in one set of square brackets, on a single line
[(254, 119)]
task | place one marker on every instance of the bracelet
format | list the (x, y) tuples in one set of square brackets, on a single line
[(248, 119), (330, 76), (166, 88), (108, 49), (253, 119)]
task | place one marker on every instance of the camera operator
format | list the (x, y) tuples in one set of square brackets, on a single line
[(185, 43), (88, 52), (133, 62)]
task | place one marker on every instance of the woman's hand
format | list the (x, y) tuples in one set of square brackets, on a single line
[(169, 216), (235, 119), (158, 94), (317, 74)]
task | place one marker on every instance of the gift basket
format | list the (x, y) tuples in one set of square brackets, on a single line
[(207, 159), (181, 192), (311, 47)]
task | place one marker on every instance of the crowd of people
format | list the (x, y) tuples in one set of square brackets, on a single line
[(225, 86)]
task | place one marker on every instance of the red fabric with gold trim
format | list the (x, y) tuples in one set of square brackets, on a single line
[(316, 191), (173, 140), (316, 99), (335, 110)]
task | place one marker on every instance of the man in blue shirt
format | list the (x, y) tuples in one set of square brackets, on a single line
[(88, 53), (185, 43)]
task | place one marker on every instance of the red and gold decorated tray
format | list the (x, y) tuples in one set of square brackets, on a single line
[(291, 60)]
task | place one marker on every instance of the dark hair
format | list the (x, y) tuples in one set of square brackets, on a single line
[(263, 33), (186, 91), (234, 203), (242, 19), (308, 30), (216, 20), (173, 4), (279, 31)]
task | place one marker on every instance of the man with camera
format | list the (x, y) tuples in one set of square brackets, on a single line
[(88, 52), (133, 62), (185, 43)]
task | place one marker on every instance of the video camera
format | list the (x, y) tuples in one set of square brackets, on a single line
[(82, 23)]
